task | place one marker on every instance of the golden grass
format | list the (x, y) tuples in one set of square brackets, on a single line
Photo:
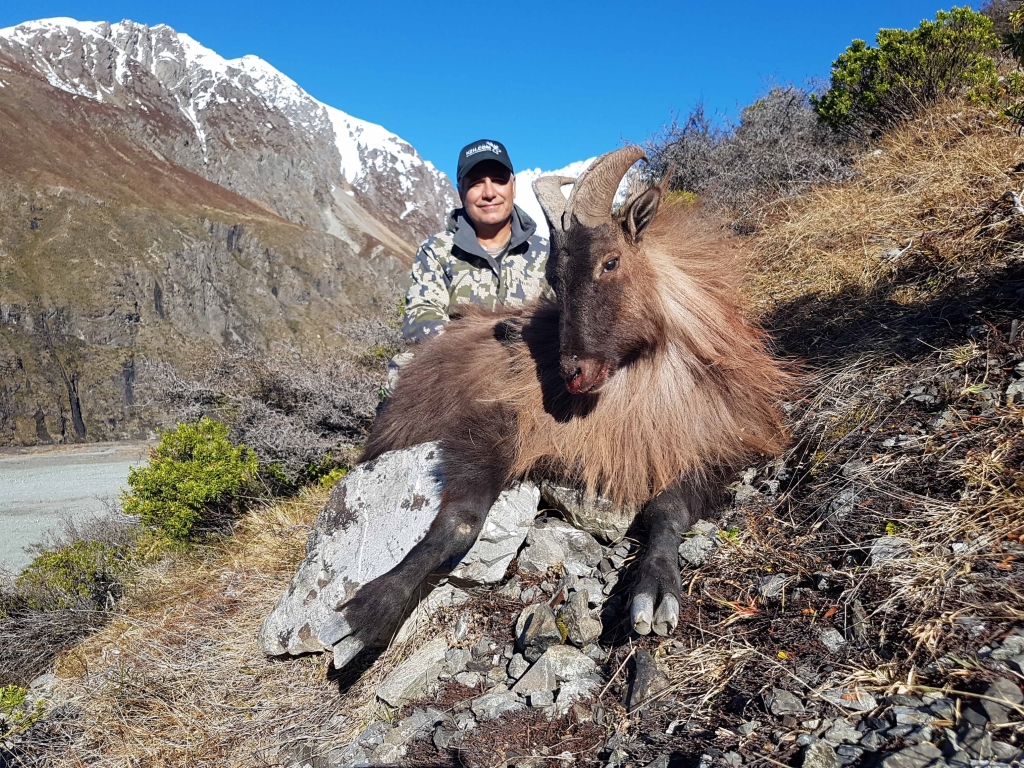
[(176, 679), (928, 190)]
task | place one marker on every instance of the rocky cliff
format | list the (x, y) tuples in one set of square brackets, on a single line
[(155, 198)]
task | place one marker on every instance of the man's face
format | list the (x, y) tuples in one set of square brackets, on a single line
[(488, 193)]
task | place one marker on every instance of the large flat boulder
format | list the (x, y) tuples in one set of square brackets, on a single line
[(374, 516)]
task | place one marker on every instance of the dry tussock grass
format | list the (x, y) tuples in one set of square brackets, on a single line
[(928, 193), (176, 678)]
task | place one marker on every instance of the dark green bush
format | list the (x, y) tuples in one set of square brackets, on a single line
[(195, 476), (874, 88)]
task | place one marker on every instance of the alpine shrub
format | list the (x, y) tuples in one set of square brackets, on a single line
[(875, 88), (195, 476), (62, 577)]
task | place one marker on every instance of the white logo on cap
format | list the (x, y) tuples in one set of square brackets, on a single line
[(487, 145)]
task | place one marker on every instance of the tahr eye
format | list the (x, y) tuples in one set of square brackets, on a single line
[(611, 265)]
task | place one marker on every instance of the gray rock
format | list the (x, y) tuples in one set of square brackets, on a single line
[(917, 756), (1017, 663), (856, 700), (569, 663), (542, 699), (461, 629), (885, 549), (842, 732), (804, 739), (732, 759), (373, 735), (347, 757), (575, 691), (695, 550), (772, 587), (848, 755), (705, 528), (388, 754), (820, 755), (976, 742), (419, 723), (593, 588), (597, 516), (513, 588), (409, 679), (492, 705), (595, 652), (832, 639), (1015, 392), (456, 660), (465, 721), (782, 702), (560, 663), (581, 628), (506, 527), (873, 741), (646, 680), (540, 677), (1003, 690), (842, 505), (536, 630), (747, 728), (552, 541), (1007, 753), (911, 716), (372, 518), (517, 666), (469, 679)]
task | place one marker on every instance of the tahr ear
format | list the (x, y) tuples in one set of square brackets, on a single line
[(640, 213)]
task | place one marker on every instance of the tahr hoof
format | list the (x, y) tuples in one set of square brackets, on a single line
[(335, 629), (642, 612), (346, 650), (666, 618)]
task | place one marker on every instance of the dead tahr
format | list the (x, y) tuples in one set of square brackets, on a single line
[(643, 383)]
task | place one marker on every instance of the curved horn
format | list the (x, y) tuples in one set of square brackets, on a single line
[(549, 194), (592, 196)]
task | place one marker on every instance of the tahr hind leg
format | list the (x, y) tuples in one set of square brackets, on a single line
[(371, 618), (666, 518)]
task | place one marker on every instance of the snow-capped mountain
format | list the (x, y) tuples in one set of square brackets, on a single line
[(527, 200), (241, 124)]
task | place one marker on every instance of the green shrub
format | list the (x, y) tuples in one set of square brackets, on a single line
[(60, 578), (874, 88), (195, 475)]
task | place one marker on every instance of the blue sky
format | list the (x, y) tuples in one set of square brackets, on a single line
[(556, 81)]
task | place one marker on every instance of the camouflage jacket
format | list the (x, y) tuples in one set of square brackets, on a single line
[(453, 268)]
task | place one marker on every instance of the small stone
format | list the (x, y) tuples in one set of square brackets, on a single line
[(917, 756), (373, 735), (581, 628), (465, 721), (781, 702), (1003, 690), (461, 628), (1015, 392), (842, 733), (733, 759), (418, 723), (537, 630), (569, 663), (1007, 753), (389, 753), (856, 700), (920, 734), (409, 679), (804, 739), (528, 594), (574, 691), (647, 680), (873, 741), (347, 757), (517, 666), (820, 755), (593, 589), (469, 679), (976, 742), (848, 755), (832, 639), (772, 587), (1017, 663), (595, 652), (705, 528), (886, 549), (541, 699), (695, 550), (456, 660), (483, 647), (492, 705), (513, 588), (910, 716), (540, 677), (552, 541), (609, 582), (747, 728)]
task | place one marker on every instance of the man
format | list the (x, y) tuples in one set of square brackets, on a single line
[(489, 253)]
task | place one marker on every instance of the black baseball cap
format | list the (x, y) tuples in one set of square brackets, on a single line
[(478, 151)]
